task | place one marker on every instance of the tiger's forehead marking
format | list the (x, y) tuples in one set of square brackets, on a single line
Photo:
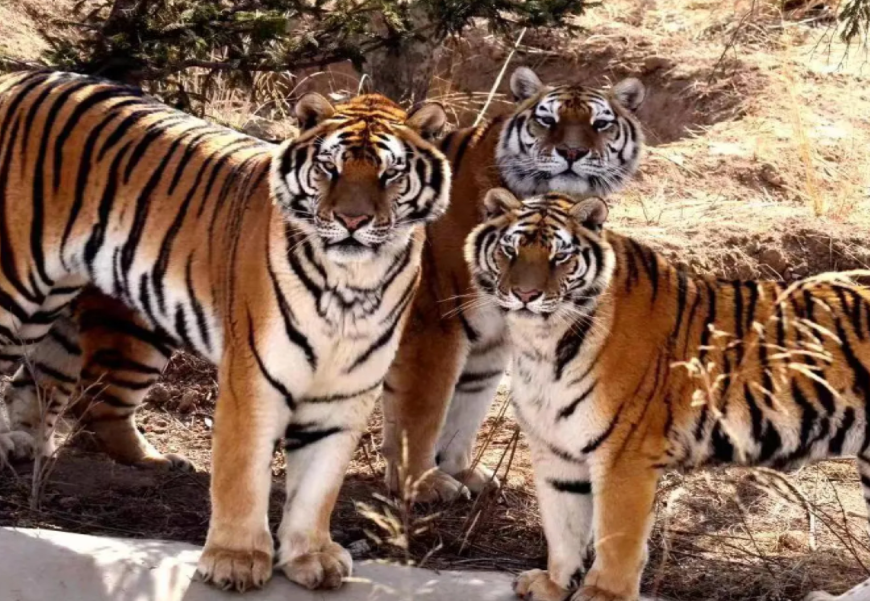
[(580, 103), (542, 220), (368, 137)]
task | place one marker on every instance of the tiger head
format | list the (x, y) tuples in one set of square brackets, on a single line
[(540, 255), (362, 175), (570, 139)]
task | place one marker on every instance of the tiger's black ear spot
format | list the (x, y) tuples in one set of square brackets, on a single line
[(499, 201), (591, 213), (525, 84), (630, 93), (428, 120), (313, 108)]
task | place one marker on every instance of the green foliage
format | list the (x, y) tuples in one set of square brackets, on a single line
[(153, 40), (855, 19)]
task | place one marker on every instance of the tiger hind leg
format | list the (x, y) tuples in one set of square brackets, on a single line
[(106, 372), (121, 358), (14, 445), (42, 386), (472, 397), (24, 323)]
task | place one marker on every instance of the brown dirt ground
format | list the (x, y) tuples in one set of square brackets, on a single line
[(757, 167)]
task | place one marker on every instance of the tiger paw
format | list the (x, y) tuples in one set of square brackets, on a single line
[(16, 446), (168, 462), (535, 585), (325, 569), (820, 596), (439, 487), (478, 479), (231, 569)]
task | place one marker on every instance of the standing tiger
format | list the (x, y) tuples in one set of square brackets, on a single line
[(291, 267), (568, 138), (610, 345)]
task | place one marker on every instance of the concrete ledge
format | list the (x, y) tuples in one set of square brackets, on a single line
[(44, 565)]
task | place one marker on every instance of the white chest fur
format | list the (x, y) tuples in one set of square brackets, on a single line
[(563, 410)]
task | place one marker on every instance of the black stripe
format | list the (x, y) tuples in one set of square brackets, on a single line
[(293, 334), (114, 360), (753, 304), (198, 311), (569, 410), (7, 256), (650, 264), (107, 201), (90, 321), (107, 379), (55, 374), (709, 323), (739, 329), (162, 264), (571, 342), (297, 436), (69, 346), (84, 170), (378, 344), (597, 442), (723, 449), (835, 447), (342, 396), (472, 377), (142, 203), (576, 487), (470, 332), (273, 382)]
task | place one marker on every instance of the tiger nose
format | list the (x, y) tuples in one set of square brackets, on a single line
[(352, 222), (571, 153), (527, 296)]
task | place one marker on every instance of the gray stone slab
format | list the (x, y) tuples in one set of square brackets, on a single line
[(44, 565)]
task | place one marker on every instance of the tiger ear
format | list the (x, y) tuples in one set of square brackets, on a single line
[(591, 213), (630, 93), (428, 120), (525, 84), (499, 201), (313, 108)]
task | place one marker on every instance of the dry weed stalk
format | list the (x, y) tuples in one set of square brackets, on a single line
[(44, 465)]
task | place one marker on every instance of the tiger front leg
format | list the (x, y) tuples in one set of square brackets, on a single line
[(564, 494), (317, 453), (249, 419), (624, 488)]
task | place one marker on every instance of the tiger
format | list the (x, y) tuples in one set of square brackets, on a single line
[(624, 365), (291, 267), (568, 138)]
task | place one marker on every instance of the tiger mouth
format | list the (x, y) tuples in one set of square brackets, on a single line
[(348, 244)]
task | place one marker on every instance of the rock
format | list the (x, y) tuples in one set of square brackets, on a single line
[(188, 401), (359, 548), (654, 63)]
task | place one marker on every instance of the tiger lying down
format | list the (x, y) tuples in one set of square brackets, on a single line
[(611, 342), (292, 267)]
